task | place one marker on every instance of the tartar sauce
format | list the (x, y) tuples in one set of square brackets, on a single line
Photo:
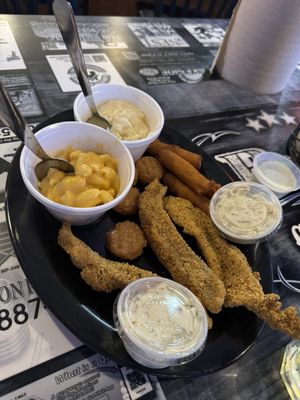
[(163, 316), (161, 322), (128, 122), (242, 212)]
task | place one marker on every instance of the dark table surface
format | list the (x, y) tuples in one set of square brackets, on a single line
[(174, 72)]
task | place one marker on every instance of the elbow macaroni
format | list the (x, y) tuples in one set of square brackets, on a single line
[(95, 180)]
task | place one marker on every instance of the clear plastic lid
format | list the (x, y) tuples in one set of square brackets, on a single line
[(276, 172), (160, 320), (245, 212), (290, 369)]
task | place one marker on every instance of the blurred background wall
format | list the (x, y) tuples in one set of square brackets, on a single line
[(173, 8)]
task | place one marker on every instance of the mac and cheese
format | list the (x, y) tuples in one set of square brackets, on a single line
[(95, 180)]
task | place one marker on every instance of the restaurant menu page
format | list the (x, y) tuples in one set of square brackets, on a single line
[(10, 56), (209, 35), (94, 377), (31, 335), (157, 34), (23, 93), (93, 35), (99, 70), (167, 66)]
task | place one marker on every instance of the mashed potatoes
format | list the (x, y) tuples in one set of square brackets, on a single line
[(95, 180), (128, 122)]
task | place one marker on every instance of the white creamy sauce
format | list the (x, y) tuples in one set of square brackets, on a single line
[(128, 122), (279, 175), (165, 318), (244, 213)]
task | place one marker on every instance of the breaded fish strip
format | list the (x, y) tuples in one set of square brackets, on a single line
[(181, 212), (101, 274), (241, 283), (174, 253)]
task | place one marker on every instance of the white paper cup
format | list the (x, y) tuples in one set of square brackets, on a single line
[(85, 137), (151, 109)]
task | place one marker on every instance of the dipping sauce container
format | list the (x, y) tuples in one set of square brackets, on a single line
[(245, 212), (276, 172), (160, 322)]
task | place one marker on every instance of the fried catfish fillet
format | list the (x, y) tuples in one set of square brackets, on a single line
[(241, 283), (98, 272), (174, 253)]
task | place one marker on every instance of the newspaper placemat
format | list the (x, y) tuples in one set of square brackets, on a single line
[(94, 377), (99, 68), (10, 56)]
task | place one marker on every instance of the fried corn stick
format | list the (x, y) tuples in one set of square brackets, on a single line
[(241, 283), (192, 158), (177, 187), (101, 274), (174, 253), (187, 173)]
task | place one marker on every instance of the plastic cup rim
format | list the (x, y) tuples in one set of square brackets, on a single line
[(243, 239), (155, 352)]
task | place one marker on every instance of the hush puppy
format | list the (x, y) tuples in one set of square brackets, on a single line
[(129, 205), (148, 169), (125, 240)]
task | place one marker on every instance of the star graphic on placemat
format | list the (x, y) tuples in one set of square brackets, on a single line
[(288, 119), (270, 119), (254, 124)]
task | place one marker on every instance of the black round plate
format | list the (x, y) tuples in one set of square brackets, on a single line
[(88, 314)]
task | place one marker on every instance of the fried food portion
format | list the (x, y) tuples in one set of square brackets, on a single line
[(136, 177), (129, 205), (187, 173), (183, 214), (285, 320), (241, 283), (101, 274), (125, 240), (174, 253), (177, 187), (148, 169), (193, 158)]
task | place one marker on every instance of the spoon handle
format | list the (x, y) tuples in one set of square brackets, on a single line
[(12, 118), (65, 19)]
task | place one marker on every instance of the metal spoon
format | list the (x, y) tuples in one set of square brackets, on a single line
[(12, 118), (65, 19)]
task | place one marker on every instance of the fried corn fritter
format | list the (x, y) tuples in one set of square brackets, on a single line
[(125, 240), (241, 283), (98, 272), (174, 253)]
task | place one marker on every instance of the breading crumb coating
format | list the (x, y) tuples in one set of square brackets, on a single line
[(174, 253), (241, 283), (98, 272)]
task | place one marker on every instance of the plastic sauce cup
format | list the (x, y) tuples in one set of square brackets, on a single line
[(245, 212), (276, 172), (160, 322)]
